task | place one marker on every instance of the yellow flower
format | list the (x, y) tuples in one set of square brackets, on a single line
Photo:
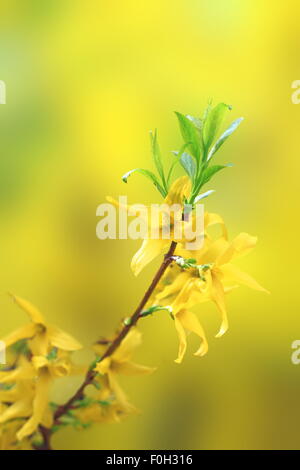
[(20, 397), (22, 370), (32, 375), (120, 363), (8, 437), (41, 335), (186, 320), (41, 413), (183, 289), (181, 294), (152, 247), (101, 412), (220, 272), (28, 397)]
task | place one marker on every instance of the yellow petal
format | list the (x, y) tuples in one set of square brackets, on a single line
[(33, 313), (103, 367), (39, 345), (190, 322), (128, 346), (40, 405), (62, 340), (190, 295), (39, 362), (148, 251), (179, 189), (117, 390), (130, 368), (24, 371), (130, 209), (25, 332), (218, 296), (153, 247), (47, 419), (19, 409), (8, 437), (213, 251), (23, 390), (176, 285), (241, 245), (7, 396), (61, 367), (182, 339), (213, 219), (233, 273)]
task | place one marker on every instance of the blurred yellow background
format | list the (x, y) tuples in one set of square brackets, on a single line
[(86, 81)]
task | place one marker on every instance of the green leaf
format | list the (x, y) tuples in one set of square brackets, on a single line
[(207, 110), (186, 263), (157, 157), (233, 126), (6, 387), (86, 401), (213, 122), (189, 165), (70, 419), (95, 362), (211, 171), (53, 406), (196, 121), (21, 347), (149, 175), (171, 171), (155, 308), (178, 155), (103, 402), (203, 195), (37, 441), (190, 135)]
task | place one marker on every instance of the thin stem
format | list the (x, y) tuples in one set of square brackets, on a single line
[(46, 435), (91, 374)]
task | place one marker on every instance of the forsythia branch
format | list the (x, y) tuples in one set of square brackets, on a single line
[(40, 353)]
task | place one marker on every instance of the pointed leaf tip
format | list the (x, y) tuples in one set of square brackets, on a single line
[(204, 195)]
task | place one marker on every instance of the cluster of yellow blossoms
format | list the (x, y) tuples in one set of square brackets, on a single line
[(209, 277), (39, 353), (110, 395)]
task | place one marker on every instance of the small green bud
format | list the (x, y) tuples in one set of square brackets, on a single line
[(86, 401), (52, 355), (96, 385)]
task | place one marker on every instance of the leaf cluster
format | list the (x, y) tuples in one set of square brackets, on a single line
[(201, 141)]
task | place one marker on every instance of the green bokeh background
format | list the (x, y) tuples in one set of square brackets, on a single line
[(85, 82)]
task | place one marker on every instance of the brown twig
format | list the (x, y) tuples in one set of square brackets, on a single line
[(91, 374), (46, 435)]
